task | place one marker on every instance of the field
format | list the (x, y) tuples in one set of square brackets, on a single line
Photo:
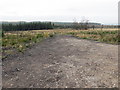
[(18, 41)]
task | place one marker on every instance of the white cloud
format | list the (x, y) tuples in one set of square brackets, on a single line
[(104, 11)]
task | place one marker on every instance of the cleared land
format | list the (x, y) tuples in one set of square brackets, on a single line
[(63, 61), (18, 41)]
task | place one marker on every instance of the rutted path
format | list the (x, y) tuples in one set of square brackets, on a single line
[(63, 62)]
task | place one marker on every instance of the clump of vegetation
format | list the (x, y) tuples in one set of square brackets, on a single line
[(2, 34), (72, 33), (102, 36), (21, 48)]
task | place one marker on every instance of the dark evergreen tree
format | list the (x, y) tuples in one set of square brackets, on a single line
[(27, 26)]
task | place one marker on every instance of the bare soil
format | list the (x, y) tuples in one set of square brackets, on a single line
[(63, 62)]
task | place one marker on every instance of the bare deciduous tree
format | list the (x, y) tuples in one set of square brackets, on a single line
[(84, 24)]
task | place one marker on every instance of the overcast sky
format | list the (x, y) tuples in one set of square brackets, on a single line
[(103, 11)]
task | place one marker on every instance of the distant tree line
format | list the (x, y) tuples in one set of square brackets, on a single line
[(86, 26), (27, 26), (21, 26)]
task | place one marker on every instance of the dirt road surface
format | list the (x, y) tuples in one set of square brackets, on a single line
[(63, 62)]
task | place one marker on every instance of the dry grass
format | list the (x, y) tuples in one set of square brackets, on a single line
[(20, 40)]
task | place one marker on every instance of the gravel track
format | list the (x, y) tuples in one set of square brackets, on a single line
[(63, 62)]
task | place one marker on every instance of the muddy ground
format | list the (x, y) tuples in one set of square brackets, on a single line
[(63, 62)]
